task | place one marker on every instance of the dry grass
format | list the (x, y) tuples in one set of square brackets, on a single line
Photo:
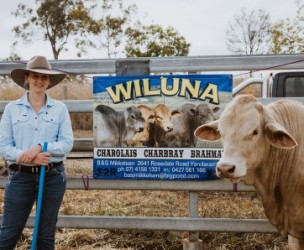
[(142, 203), (154, 203), (70, 89), (10, 91)]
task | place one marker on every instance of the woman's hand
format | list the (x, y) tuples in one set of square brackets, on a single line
[(29, 155), (42, 159)]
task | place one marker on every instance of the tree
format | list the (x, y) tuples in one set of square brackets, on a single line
[(57, 21), (285, 38), (154, 41), (115, 20), (288, 35), (249, 33), (13, 57), (84, 24)]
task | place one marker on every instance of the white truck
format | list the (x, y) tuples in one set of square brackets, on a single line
[(282, 84)]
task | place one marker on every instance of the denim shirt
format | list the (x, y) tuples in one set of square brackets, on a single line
[(21, 128)]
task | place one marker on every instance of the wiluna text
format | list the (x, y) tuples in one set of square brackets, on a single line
[(180, 86)]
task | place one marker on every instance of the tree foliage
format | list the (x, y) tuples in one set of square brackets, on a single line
[(115, 20), (58, 22), (155, 41), (249, 32), (285, 38), (12, 57), (107, 25), (288, 34)]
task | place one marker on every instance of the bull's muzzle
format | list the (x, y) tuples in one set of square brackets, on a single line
[(169, 128), (225, 170)]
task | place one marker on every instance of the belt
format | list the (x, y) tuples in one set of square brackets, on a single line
[(34, 169)]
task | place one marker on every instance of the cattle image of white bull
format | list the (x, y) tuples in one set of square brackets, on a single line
[(116, 128), (264, 147)]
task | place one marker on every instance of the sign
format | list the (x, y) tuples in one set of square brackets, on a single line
[(144, 126)]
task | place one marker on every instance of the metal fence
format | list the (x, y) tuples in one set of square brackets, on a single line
[(193, 223), (176, 64)]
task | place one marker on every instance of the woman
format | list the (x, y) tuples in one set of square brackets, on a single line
[(26, 124)]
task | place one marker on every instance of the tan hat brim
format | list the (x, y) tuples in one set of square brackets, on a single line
[(18, 75)]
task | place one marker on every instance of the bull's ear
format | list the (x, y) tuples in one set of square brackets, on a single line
[(208, 132), (175, 113), (279, 137)]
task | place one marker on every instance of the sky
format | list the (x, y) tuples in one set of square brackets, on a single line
[(202, 22)]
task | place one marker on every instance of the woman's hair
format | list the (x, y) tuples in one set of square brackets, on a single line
[(26, 83)]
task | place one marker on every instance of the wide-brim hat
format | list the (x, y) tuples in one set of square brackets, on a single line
[(37, 64)]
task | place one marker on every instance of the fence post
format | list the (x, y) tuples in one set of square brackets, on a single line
[(193, 243), (127, 67)]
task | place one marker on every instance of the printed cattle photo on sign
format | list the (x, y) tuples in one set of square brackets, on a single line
[(141, 139), (264, 147), (116, 128), (185, 124), (144, 126), (160, 123)]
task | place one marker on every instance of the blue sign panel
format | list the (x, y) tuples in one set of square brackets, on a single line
[(144, 126)]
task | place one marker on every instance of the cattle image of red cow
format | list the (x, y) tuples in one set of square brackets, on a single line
[(264, 146), (184, 125), (116, 128), (160, 125)]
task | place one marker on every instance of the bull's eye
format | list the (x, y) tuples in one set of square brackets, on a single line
[(250, 136), (158, 117)]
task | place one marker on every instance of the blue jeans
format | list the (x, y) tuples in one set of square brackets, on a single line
[(20, 194)]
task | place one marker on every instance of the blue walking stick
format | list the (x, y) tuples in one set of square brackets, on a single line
[(39, 201)]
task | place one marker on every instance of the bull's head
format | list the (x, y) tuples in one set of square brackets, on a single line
[(162, 117), (247, 130)]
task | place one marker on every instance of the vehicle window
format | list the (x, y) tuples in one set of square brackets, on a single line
[(294, 86)]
